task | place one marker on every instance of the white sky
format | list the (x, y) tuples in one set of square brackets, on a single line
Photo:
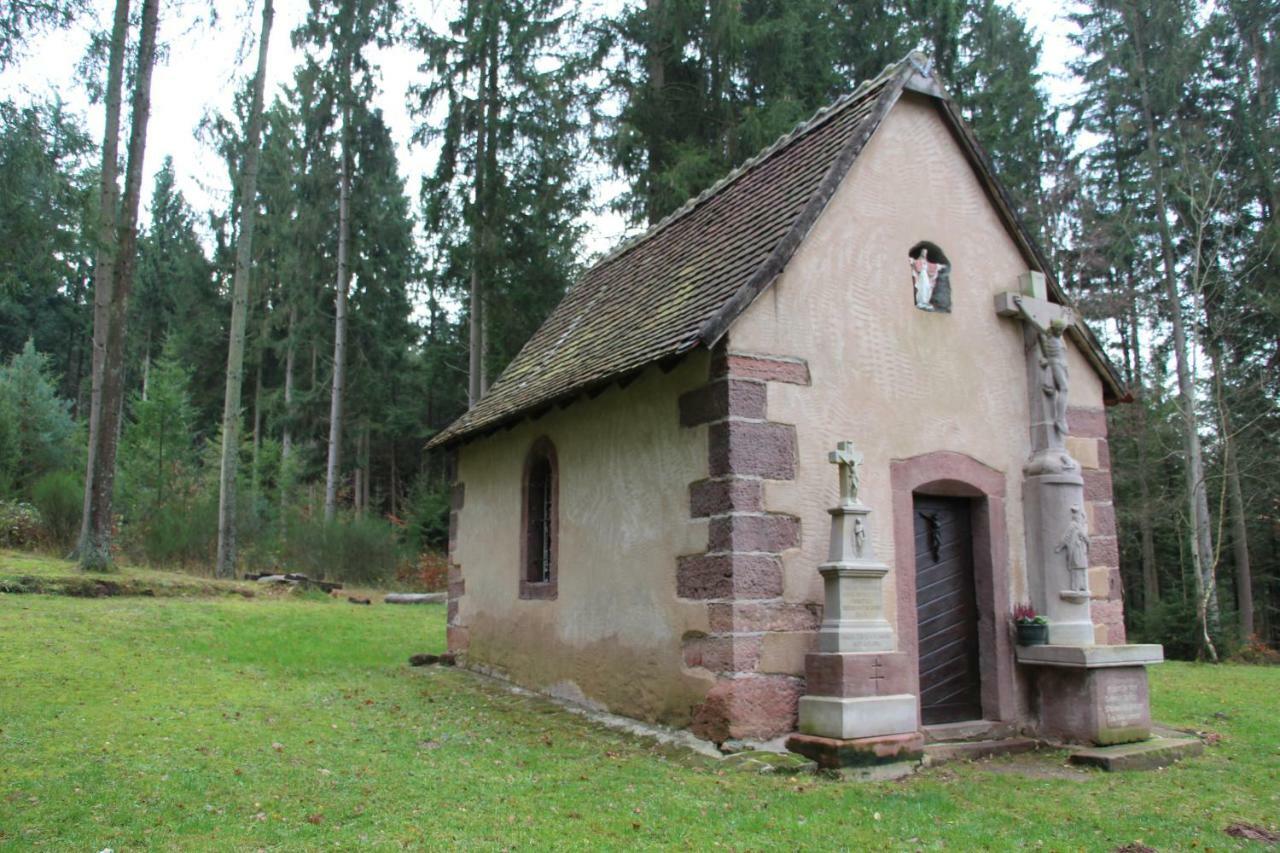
[(207, 64)]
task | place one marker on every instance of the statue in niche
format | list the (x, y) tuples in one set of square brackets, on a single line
[(1075, 542), (859, 537), (1053, 364), (930, 279)]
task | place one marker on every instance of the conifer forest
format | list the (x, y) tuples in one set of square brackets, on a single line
[(250, 383)]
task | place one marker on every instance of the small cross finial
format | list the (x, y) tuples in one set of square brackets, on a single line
[(848, 459)]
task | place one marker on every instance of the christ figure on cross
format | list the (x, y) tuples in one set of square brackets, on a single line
[(848, 459), (1053, 363)]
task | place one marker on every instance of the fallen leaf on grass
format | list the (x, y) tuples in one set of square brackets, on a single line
[(315, 818)]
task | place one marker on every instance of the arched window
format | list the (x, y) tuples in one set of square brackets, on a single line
[(541, 522), (930, 277)]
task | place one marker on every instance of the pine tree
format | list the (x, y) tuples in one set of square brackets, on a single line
[(347, 30), (504, 200), (36, 429)]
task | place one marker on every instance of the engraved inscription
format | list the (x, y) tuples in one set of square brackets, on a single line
[(861, 598), (1122, 705)]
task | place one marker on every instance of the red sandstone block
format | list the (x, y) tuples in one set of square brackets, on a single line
[(1097, 485), (1109, 613), (1104, 551), (453, 533), (1104, 454), (854, 675), (772, 533), (459, 638), (760, 366), (753, 449), (457, 588), (1104, 519), (451, 610), (455, 572), (755, 706), (730, 653), (714, 497), (1087, 423), (764, 616), (722, 398), (728, 576), (834, 753), (457, 496)]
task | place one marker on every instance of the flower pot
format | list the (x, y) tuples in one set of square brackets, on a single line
[(1032, 634)]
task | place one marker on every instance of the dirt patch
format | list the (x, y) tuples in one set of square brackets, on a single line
[(1252, 832)]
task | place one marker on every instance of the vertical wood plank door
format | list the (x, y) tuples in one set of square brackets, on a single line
[(946, 611)]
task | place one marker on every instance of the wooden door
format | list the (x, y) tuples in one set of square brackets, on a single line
[(946, 611)]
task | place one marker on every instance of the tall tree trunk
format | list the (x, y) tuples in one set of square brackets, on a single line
[(339, 323), (226, 560), (104, 264), (394, 486), (368, 472), (1235, 508), (1202, 554), (286, 441), (95, 551), (1146, 525), (475, 299)]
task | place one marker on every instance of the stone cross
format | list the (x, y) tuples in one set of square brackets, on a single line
[(1045, 324), (848, 459)]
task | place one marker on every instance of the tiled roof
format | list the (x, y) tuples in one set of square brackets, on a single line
[(654, 297), (681, 283)]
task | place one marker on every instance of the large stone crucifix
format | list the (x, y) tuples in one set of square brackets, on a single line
[(1045, 324), (848, 459), (1053, 490)]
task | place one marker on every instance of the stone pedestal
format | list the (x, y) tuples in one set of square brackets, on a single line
[(1048, 499), (853, 614), (857, 710), (1092, 694)]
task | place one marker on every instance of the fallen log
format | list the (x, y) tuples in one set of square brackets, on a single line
[(415, 598)]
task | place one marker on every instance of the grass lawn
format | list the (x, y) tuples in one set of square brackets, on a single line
[(186, 723)]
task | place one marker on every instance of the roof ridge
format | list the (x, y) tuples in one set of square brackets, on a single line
[(821, 115)]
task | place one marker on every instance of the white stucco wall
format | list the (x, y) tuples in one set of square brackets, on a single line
[(613, 634)]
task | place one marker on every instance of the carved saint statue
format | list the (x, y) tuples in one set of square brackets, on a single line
[(859, 537), (1053, 364), (924, 274), (1075, 542)]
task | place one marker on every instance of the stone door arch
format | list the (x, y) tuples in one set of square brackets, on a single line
[(949, 474)]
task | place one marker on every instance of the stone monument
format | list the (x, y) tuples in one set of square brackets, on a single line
[(1087, 693), (1053, 486), (857, 710)]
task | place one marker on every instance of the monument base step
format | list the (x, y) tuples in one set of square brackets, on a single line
[(841, 753), (968, 730), (1145, 755), (972, 750)]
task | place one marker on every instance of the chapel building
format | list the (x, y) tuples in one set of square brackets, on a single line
[(786, 463)]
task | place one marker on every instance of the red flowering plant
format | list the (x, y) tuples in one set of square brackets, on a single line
[(1025, 614)]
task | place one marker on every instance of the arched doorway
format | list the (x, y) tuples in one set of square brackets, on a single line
[(946, 610), (974, 496)]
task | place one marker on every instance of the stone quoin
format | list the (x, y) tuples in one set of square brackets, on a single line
[(798, 451)]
